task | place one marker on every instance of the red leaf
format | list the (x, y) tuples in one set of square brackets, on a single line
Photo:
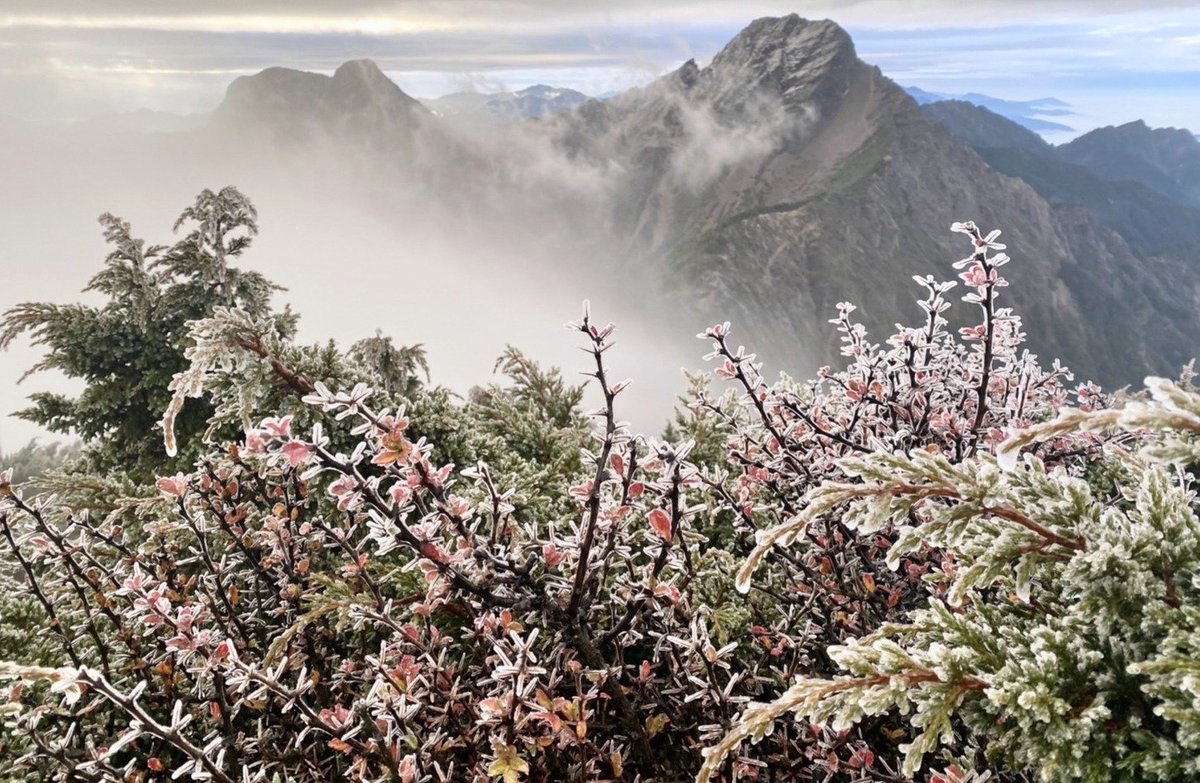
[(618, 465), (661, 524)]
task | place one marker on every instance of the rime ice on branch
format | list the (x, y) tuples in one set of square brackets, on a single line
[(331, 597)]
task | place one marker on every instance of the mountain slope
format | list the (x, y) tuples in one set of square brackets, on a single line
[(1165, 159), (357, 122), (980, 127), (357, 100), (788, 175), (1145, 218)]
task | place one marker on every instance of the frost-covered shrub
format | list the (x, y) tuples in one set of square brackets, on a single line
[(297, 610), (1066, 641), (378, 582), (925, 390)]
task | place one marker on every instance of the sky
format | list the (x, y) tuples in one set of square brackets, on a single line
[(1113, 60)]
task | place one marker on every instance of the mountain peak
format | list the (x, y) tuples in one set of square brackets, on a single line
[(279, 84), (541, 91), (367, 79), (686, 74), (1136, 126), (1165, 159), (358, 92), (767, 42), (360, 85), (787, 26), (801, 60), (362, 72)]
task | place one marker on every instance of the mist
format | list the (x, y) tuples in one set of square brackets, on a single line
[(464, 239)]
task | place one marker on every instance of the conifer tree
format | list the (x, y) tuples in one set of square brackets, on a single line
[(127, 349)]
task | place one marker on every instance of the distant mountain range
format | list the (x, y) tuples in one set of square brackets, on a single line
[(1030, 114), (540, 100), (783, 177), (1142, 183), (358, 100)]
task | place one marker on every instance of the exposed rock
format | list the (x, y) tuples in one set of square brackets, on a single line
[(788, 175)]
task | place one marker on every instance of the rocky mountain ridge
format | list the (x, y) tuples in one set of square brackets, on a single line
[(781, 178), (839, 188), (1141, 203), (357, 100), (1166, 159)]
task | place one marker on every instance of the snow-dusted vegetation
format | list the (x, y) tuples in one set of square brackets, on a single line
[(942, 560)]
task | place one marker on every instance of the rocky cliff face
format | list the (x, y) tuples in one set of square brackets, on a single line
[(789, 175)]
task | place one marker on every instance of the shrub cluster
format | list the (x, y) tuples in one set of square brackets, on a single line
[(361, 577)]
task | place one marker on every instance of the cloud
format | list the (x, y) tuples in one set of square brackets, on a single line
[(394, 16), (433, 243)]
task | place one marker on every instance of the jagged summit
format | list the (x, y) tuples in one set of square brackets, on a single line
[(796, 58), (776, 77), (764, 41), (686, 75), (788, 175)]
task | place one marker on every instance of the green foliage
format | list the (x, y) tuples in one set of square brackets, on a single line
[(1054, 635), (397, 370), (700, 425), (127, 349), (529, 430), (22, 636), (537, 415)]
